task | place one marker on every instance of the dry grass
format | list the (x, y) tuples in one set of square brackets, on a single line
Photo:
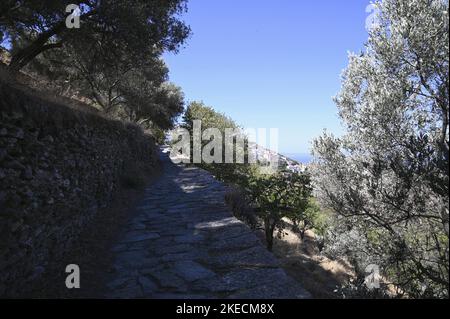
[(302, 261), (43, 90)]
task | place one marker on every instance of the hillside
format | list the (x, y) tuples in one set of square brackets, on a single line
[(95, 94)]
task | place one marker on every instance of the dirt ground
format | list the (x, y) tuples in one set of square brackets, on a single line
[(303, 261)]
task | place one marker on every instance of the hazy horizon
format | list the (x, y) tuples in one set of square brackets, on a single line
[(304, 158)]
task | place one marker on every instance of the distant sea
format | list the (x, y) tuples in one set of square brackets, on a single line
[(299, 157)]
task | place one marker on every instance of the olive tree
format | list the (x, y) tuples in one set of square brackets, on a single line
[(141, 27), (387, 178), (234, 173), (277, 196)]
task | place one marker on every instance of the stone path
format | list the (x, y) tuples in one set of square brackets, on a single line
[(184, 243)]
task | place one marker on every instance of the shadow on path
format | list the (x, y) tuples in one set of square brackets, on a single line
[(183, 242)]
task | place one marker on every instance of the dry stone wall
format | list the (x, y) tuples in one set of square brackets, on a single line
[(58, 166)]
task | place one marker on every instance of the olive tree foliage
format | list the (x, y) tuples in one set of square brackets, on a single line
[(210, 118), (276, 196), (142, 27), (235, 173), (387, 178), (116, 85), (309, 215), (113, 59), (158, 108)]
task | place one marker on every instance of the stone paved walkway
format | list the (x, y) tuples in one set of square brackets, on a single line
[(184, 243)]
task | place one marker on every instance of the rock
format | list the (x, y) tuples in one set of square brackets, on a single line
[(27, 174), (148, 286), (66, 183), (3, 154), (189, 238), (17, 115), (49, 139), (192, 271), (135, 259), (256, 256), (139, 235), (247, 278), (12, 140), (16, 225), (180, 256), (19, 134), (119, 248), (137, 226), (38, 270), (119, 283), (167, 279), (14, 165), (173, 249), (282, 290), (222, 243), (130, 290)]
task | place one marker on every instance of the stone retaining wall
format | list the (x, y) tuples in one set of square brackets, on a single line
[(58, 166)]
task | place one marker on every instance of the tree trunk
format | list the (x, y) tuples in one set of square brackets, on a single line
[(25, 55), (302, 233), (39, 45), (320, 243), (269, 226)]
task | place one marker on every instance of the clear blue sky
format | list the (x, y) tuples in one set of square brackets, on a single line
[(271, 63)]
